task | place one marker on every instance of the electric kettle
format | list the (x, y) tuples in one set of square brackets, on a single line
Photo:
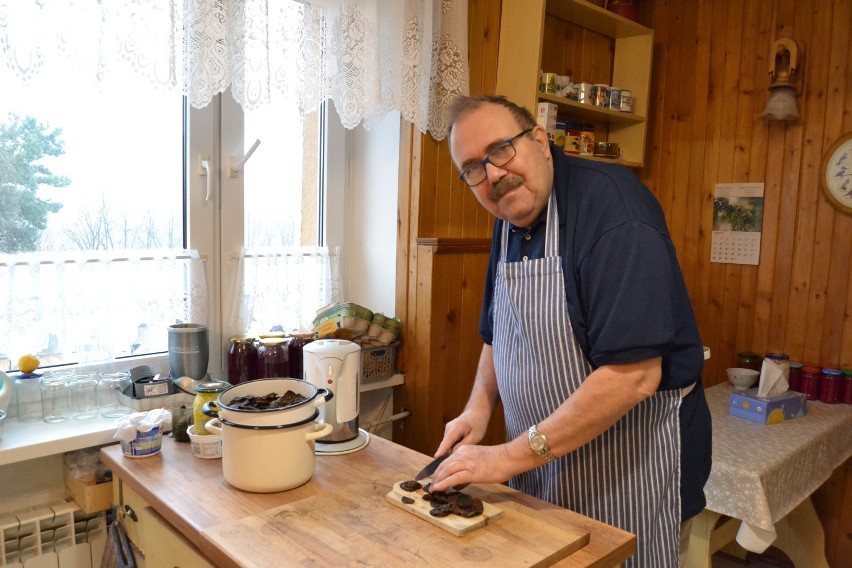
[(335, 364)]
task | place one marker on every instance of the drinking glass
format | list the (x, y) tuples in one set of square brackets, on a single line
[(84, 396), (110, 387), (55, 396)]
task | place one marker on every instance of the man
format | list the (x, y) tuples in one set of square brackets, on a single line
[(590, 340)]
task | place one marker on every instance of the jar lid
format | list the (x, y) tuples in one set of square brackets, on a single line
[(780, 356), (212, 386), (272, 341), (832, 372), (747, 355), (847, 372), (811, 370), (273, 334), (241, 339), (796, 365)]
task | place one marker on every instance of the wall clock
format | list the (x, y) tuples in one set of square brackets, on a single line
[(837, 174)]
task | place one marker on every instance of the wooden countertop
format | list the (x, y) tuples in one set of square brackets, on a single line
[(192, 495)]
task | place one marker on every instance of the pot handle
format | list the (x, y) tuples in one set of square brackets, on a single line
[(214, 426), (323, 396), (324, 430), (210, 409)]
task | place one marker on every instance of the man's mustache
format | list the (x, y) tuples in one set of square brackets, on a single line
[(504, 186)]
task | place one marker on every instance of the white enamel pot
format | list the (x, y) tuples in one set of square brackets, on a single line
[(267, 459), (292, 414)]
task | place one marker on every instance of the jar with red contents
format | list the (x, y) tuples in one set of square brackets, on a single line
[(749, 360), (831, 386), (242, 359), (272, 358), (847, 386), (796, 376), (294, 349), (811, 378)]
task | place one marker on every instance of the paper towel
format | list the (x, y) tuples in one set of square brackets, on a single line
[(772, 379)]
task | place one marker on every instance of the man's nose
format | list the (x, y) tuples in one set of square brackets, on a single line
[(494, 173)]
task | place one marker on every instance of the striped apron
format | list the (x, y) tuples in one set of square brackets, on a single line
[(629, 476)]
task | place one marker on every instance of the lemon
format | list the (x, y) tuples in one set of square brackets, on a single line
[(28, 363)]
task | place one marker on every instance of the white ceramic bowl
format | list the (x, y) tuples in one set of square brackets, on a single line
[(205, 446), (742, 379)]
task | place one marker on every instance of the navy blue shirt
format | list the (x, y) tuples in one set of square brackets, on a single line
[(627, 300)]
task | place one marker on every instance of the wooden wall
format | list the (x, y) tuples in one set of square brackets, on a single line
[(709, 86)]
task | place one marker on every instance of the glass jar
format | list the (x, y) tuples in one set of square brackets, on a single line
[(111, 388), (783, 362), (28, 395), (847, 386), (205, 392), (182, 420), (242, 359), (272, 358), (831, 386), (55, 396), (84, 396), (811, 377), (796, 376), (295, 355), (573, 138), (749, 360)]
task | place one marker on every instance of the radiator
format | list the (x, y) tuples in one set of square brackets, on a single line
[(57, 535)]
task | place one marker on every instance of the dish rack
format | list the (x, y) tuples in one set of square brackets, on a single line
[(58, 534)]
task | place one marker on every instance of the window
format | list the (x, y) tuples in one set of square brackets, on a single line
[(102, 193)]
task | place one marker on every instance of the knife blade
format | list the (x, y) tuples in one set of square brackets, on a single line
[(430, 467)]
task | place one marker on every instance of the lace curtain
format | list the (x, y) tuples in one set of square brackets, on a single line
[(367, 56), (95, 308), (282, 289)]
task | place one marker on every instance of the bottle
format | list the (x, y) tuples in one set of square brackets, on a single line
[(205, 392), (242, 359), (831, 386), (796, 376), (28, 395)]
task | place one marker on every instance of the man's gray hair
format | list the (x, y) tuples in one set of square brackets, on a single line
[(464, 105)]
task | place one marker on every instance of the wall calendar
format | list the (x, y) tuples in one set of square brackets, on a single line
[(737, 222)]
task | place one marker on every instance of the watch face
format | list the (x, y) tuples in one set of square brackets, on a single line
[(536, 442), (837, 172)]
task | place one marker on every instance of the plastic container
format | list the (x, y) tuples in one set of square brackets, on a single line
[(831, 386), (207, 446), (144, 445), (378, 362)]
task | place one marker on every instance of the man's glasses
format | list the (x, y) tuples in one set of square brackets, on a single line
[(475, 174)]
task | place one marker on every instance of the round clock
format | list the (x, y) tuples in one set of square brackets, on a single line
[(837, 174)]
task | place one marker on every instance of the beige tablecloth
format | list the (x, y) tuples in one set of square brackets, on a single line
[(761, 472)]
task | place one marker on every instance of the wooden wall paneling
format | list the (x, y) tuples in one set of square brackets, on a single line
[(425, 405), (658, 13), (427, 222), (450, 275), (448, 215)]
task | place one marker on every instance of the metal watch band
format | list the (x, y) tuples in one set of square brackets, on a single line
[(545, 449)]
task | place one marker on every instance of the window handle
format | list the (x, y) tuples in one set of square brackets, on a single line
[(204, 169), (237, 165)]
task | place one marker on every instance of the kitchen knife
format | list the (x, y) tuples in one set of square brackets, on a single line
[(431, 467)]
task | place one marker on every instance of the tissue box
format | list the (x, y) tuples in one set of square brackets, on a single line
[(767, 410)]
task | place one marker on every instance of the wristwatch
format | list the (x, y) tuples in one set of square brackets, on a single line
[(538, 444)]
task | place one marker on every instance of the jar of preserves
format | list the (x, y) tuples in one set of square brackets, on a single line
[(294, 352), (783, 362), (796, 376), (573, 138), (811, 377), (207, 391), (847, 386), (831, 388), (272, 358), (242, 359), (749, 360)]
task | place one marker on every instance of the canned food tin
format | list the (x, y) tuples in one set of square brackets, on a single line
[(600, 94), (626, 102), (548, 83), (613, 99), (584, 93)]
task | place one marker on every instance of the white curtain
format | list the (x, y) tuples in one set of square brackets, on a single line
[(89, 307), (367, 56), (281, 289)]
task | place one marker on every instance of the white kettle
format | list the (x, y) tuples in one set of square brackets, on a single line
[(6, 389), (335, 364)]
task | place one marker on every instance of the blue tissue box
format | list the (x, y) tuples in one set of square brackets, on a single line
[(770, 409)]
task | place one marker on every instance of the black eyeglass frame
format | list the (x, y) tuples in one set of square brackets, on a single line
[(509, 142)]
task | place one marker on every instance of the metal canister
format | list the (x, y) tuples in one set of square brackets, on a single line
[(626, 103), (242, 359), (205, 392), (613, 101), (600, 94), (548, 83)]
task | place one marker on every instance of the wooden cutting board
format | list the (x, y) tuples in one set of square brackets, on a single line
[(356, 526), (453, 524)]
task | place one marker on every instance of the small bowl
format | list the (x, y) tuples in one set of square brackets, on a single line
[(742, 378), (206, 447)]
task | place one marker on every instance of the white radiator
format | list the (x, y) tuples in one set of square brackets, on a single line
[(58, 535)]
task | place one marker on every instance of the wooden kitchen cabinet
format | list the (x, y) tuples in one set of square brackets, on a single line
[(161, 543), (603, 47)]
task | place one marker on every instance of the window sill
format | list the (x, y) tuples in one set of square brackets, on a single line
[(21, 441)]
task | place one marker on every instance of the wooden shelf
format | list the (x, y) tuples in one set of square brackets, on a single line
[(522, 39)]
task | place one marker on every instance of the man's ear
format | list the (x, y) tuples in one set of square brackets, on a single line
[(540, 137)]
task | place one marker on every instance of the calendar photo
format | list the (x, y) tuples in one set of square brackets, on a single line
[(737, 222)]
